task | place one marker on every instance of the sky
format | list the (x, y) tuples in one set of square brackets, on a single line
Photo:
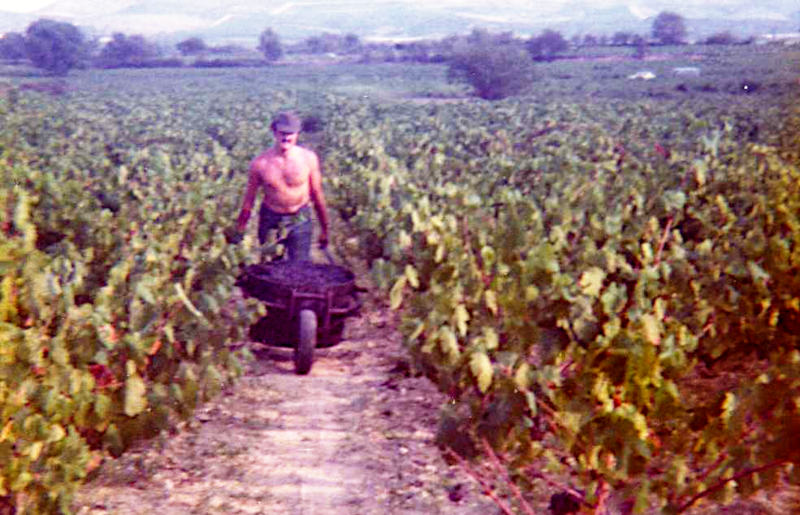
[(29, 6)]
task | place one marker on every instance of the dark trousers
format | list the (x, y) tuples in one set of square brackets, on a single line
[(293, 230)]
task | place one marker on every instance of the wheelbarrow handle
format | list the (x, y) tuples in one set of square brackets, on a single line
[(328, 255)]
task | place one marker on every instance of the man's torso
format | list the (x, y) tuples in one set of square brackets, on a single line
[(285, 179)]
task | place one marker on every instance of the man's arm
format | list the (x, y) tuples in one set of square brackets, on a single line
[(318, 198), (253, 182)]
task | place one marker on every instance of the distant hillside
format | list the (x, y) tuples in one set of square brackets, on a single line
[(242, 22)]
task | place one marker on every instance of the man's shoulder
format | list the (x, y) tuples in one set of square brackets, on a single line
[(264, 157), (258, 162), (307, 151)]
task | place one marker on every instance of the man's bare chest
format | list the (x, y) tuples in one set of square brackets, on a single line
[(286, 172)]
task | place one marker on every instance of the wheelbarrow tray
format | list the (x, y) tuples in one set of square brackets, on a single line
[(286, 287)]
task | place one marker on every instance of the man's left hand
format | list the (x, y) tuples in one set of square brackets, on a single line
[(232, 235)]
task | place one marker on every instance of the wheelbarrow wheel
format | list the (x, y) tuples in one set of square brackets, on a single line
[(306, 341)]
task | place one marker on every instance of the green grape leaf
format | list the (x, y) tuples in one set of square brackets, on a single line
[(420, 327), (674, 200), (651, 328), (490, 297), (591, 281), (728, 408), (481, 368), (449, 343), (530, 399), (396, 293), (490, 338), (21, 481), (488, 256), (112, 441), (135, 400), (461, 318), (34, 450), (758, 274), (439, 255), (522, 376), (213, 381), (102, 406), (613, 299), (56, 433), (145, 293), (700, 172), (411, 275), (404, 239)]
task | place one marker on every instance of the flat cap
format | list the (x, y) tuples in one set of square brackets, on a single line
[(287, 122)]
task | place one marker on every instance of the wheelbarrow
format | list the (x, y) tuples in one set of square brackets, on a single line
[(307, 304)]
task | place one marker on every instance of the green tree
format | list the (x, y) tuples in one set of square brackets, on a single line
[(352, 43), (669, 28), (640, 45), (495, 71), (191, 46), (12, 46), (269, 44), (125, 50), (55, 47), (545, 46)]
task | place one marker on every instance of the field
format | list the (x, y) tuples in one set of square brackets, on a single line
[(579, 269), (595, 73)]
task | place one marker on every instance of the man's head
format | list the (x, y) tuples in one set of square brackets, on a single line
[(285, 126)]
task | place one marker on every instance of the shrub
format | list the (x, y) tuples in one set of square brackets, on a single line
[(721, 38), (494, 71)]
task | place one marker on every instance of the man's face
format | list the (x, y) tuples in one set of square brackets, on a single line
[(285, 140)]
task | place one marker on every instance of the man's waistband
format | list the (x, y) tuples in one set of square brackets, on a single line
[(301, 215)]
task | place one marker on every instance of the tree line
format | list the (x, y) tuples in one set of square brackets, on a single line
[(495, 65)]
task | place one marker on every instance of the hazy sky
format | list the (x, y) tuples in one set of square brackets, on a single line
[(27, 6)]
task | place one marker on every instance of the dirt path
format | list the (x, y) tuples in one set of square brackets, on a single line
[(354, 436)]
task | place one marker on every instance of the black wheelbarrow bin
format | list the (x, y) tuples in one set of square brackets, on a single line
[(307, 304)]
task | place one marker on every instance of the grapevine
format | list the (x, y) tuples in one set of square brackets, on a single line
[(565, 277)]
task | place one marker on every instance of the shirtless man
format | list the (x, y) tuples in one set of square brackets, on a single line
[(290, 177)]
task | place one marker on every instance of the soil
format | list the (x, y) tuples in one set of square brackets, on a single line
[(356, 436)]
